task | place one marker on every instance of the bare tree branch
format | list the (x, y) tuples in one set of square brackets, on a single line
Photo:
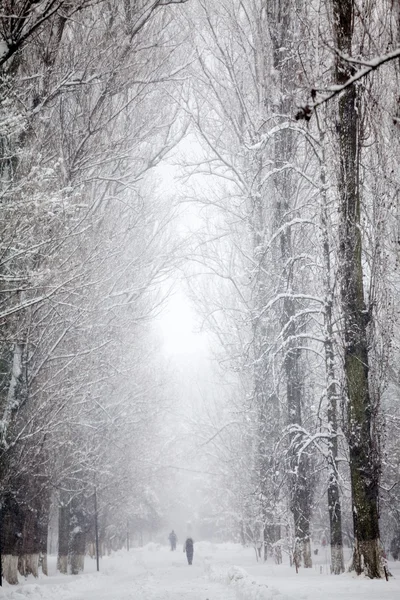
[(305, 112)]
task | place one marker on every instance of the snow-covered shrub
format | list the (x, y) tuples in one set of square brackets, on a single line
[(245, 587)]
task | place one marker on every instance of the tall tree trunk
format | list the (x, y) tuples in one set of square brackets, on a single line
[(63, 537), (43, 528), (77, 539), (268, 410), (300, 477), (14, 392), (28, 562), (364, 467), (334, 505), (281, 26), (11, 538)]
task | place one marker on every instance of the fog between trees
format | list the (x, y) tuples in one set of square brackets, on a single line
[(279, 122)]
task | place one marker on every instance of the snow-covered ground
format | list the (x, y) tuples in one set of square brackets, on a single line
[(219, 572)]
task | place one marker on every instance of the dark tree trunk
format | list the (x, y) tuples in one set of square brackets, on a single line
[(77, 539), (63, 537), (12, 525), (43, 537), (28, 562), (43, 527), (364, 465)]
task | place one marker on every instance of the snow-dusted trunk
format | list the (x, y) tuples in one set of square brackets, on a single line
[(12, 520), (12, 398), (28, 562), (9, 564), (71, 537), (11, 538), (300, 472), (334, 506), (45, 566), (34, 509), (72, 527), (268, 420), (281, 17), (268, 409), (364, 467), (43, 537), (43, 527), (63, 537), (77, 540), (300, 481)]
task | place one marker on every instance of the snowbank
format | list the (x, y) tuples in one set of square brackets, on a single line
[(231, 573), (152, 547), (40, 590), (246, 588), (208, 549)]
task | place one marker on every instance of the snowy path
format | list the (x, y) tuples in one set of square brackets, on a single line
[(154, 580), (138, 575), (154, 573)]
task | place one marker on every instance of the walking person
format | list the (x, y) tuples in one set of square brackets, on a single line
[(188, 548), (172, 540)]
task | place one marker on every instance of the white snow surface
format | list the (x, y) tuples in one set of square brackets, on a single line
[(219, 572)]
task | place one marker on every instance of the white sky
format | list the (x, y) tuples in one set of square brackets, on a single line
[(177, 322), (178, 327)]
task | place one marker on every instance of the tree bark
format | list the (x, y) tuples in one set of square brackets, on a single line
[(77, 540), (63, 537), (28, 563), (43, 528), (334, 505), (281, 25), (11, 538), (364, 465), (268, 410)]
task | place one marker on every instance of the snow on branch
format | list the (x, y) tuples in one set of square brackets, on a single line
[(302, 439), (305, 112), (265, 138), (287, 295)]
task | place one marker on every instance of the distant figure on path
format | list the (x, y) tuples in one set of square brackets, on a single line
[(172, 540), (188, 548)]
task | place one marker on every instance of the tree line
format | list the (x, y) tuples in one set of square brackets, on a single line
[(295, 109), (293, 114), (88, 108)]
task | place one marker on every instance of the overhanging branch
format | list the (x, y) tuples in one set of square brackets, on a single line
[(305, 112)]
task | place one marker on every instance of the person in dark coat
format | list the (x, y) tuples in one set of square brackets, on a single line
[(188, 548)]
